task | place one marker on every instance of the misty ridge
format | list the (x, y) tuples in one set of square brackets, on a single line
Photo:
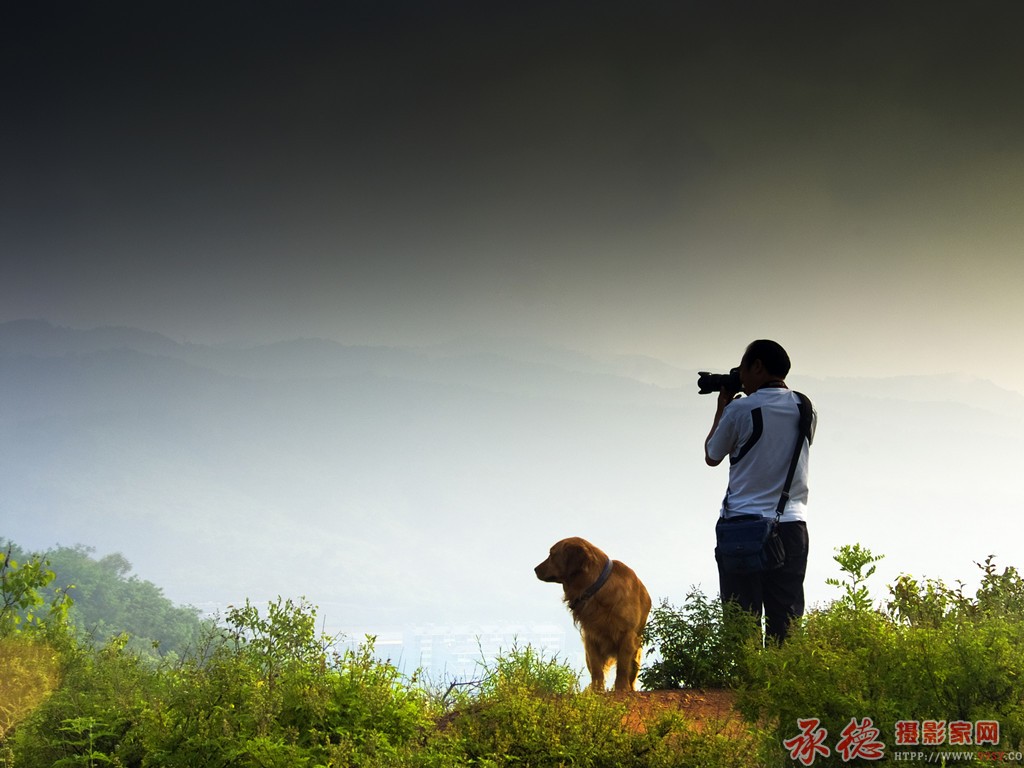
[(396, 485)]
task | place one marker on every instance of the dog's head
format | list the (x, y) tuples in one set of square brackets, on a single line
[(566, 560)]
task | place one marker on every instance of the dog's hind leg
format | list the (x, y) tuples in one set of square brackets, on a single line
[(627, 665)]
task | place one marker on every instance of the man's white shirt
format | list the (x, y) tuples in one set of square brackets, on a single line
[(758, 433)]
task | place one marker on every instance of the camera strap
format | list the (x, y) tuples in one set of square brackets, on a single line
[(804, 431)]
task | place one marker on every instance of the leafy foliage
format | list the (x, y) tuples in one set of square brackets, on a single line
[(264, 688), (102, 697), (23, 579), (109, 601), (30, 672), (700, 645), (530, 711), (30, 642), (931, 653), (527, 669), (853, 559)]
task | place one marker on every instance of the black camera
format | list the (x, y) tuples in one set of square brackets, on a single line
[(715, 382)]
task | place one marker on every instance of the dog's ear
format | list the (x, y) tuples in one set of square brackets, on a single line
[(574, 558)]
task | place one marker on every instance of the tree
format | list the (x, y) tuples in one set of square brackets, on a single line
[(28, 655), (22, 581), (109, 601)]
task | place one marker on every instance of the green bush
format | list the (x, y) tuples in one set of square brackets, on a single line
[(23, 582), (31, 668), (699, 645), (930, 653), (527, 670), (31, 641), (265, 689), (94, 716), (262, 691), (273, 692), (530, 711)]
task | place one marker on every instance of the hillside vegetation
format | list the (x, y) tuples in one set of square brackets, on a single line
[(263, 688), (107, 600)]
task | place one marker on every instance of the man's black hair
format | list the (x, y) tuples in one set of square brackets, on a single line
[(771, 354)]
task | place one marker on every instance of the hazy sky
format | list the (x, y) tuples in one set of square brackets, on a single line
[(671, 178), (663, 177)]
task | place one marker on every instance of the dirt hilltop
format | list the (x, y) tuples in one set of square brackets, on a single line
[(712, 709)]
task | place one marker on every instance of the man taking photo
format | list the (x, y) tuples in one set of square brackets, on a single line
[(760, 433)]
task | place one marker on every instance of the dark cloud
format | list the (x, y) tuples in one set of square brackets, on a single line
[(204, 168)]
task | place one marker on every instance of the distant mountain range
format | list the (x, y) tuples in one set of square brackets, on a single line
[(423, 484)]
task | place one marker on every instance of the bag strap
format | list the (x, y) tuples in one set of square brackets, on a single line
[(804, 431)]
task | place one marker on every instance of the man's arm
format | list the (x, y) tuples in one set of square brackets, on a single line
[(724, 398)]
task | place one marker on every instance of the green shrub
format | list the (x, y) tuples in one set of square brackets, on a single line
[(969, 649), (94, 715), (265, 689), (262, 691), (273, 692), (530, 711), (836, 664), (527, 669), (930, 653), (853, 559), (699, 645), (31, 669), (23, 582), (33, 642)]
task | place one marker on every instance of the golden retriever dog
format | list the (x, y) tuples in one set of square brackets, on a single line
[(608, 603)]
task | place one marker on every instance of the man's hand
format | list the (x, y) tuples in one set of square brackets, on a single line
[(724, 398)]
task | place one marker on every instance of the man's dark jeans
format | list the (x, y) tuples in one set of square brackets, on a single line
[(780, 591)]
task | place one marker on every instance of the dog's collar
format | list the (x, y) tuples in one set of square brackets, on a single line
[(590, 591)]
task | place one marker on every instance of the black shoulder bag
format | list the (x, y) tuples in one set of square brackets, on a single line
[(751, 543)]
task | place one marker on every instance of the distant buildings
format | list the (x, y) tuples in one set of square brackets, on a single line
[(460, 652)]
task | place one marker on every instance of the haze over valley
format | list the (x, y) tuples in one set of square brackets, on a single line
[(402, 486)]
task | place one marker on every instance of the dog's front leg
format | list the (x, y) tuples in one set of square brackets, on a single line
[(597, 664)]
